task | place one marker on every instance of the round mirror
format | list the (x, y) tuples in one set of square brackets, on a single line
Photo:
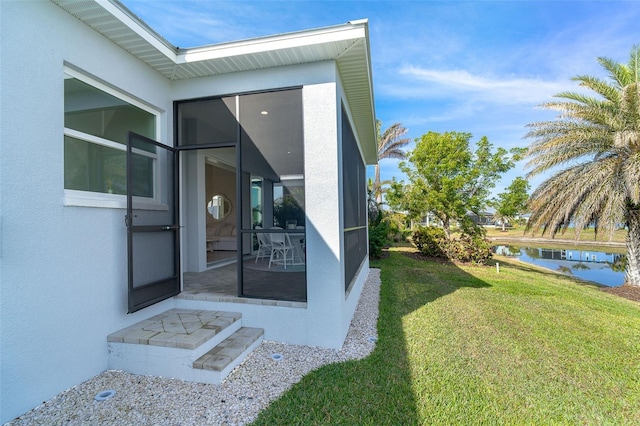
[(219, 207)]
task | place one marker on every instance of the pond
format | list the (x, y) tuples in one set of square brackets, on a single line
[(597, 266)]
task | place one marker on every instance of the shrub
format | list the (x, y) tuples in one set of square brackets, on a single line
[(430, 241), (469, 249), (398, 229), (378, 239)]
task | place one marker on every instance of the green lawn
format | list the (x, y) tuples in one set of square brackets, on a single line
[(466, 345), (585, 235)]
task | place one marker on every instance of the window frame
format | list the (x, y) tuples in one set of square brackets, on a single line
[(80, 198)]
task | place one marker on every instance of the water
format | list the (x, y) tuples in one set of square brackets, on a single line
[(597, 266)]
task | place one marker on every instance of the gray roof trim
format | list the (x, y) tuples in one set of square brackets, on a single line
[(347, 44)]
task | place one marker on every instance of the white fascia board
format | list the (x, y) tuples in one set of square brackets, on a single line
[(267, 44), (124, 16)]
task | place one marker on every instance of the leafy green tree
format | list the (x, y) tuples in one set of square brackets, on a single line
[(390, 144), (406, 198), (449, 178), (595, 144), (512, 202)]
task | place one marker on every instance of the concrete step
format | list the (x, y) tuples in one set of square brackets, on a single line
[(228, 354), (168, 344)]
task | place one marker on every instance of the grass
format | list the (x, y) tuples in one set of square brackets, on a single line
[(466, 345), (585, 235)]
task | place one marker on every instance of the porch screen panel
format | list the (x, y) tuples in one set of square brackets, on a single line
[(354, 203), (207, 121), (271, 152)]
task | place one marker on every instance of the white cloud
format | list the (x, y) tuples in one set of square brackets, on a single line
[(463, 84)]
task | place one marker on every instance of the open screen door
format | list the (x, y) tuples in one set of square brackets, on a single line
[(152, 222)]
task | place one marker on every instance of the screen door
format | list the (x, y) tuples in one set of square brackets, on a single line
[(152, 222)]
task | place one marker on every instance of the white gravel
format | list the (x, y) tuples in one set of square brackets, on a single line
[(147, 400)]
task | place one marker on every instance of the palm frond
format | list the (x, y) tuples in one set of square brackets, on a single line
[(579, 196), (634, 63), (390, 142), (601, 87), (617, 72)]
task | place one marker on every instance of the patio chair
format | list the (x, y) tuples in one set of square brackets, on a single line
[(281, 249), (264, 245), (291, 224)]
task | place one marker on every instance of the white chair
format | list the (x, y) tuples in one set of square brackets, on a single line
[(281, 249), (264, 245)]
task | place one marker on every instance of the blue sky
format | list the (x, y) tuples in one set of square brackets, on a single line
[(481, 67)]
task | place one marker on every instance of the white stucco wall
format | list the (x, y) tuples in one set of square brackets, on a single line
[(63, 268), (325, 287), (63, 271)]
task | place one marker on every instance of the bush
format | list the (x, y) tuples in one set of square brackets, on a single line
[(398, 229), (469, 249), (378, 239), (430, 241)]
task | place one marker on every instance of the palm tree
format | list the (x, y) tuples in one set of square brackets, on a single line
[(503, 219), (511, 203), (390, 144), (595, 145), (373, 207)]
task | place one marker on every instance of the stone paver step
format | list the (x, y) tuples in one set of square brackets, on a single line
[(228, 350), (176, 328)]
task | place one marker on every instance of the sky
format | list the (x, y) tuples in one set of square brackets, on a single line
[(482, 67)]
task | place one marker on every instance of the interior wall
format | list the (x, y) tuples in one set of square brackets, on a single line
[(193, 212), (220, 182)]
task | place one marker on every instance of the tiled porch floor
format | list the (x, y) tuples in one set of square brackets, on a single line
[(261, 285)]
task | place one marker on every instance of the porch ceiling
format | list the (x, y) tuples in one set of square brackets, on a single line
[(347, 44)]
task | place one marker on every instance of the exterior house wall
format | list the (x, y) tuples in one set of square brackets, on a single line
[(63, 277), (63, 272)]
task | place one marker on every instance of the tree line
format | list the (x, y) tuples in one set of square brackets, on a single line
[(591, 151)]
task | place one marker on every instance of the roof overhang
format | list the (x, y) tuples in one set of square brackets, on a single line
[(347, 44)]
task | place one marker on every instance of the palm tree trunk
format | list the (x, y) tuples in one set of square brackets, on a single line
[(378, 195), (633, 247)]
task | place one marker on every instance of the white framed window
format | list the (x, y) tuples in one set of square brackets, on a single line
[(97, 119)]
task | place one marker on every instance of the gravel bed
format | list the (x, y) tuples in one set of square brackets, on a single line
[(147, 400)]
